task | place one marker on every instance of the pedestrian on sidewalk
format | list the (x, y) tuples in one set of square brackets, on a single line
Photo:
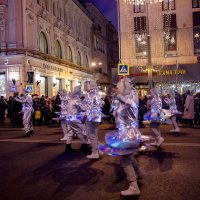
[(188, 114)]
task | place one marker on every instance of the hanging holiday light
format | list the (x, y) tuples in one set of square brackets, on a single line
[(142, 2)]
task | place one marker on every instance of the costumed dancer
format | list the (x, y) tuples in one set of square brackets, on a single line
[(156, 116), (128, 139), (27, 109), (92, 105), (173, 111), (64, 96), (75, 120)]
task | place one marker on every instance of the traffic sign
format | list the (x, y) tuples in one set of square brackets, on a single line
[(123, 70), (13, 88), (30, 89)]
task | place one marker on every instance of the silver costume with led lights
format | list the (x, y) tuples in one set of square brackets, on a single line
[(173, 111), (155, 116), (128, 138), (73, 117), (64, 97), (27, 109), (92, 104)]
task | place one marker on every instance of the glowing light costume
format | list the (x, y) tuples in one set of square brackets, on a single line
[(27, 109), (92, 104), (173, 111), (155, 116), (64, 97), (128, 138), (172, 105)]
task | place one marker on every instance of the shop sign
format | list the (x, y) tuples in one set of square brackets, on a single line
[(168, 72), (123, 70), (52, 67), (30, 89), (13, 88)]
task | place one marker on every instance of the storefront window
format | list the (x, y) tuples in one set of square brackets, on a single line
[(58, 51), (43, 45), (78, 58), (43, 86), (58, 85), (69, 86), (3, 85), (140, 37), (69, 54)]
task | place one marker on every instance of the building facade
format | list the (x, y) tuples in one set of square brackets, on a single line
[(45, 46), (157, 38), (104, 48)]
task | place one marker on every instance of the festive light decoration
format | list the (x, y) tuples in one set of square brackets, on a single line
[(142, 2)]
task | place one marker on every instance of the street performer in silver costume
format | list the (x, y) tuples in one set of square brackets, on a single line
[(27, 109), (74, 120), (173, 111), (128, 138), (64, 96), (92, 104), (155, 116)]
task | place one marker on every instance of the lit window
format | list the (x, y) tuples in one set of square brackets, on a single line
[(140, 37), (170, 40), (168, 5), (196, 3), (43, 46), (196, 32), (58, 51), (140, 8)]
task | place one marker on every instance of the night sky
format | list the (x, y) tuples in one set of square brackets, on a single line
[(109, 9)]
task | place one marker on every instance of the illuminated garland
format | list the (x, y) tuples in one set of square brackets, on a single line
[(142, 2)]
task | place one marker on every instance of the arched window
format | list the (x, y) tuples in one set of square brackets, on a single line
[(69, 54), (43, 46), (78, 58), (86, 62), (58, 51)]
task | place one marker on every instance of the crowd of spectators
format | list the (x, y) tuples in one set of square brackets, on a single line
[(45, 109)]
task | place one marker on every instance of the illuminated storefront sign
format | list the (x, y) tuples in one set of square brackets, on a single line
[(168, 72), (52, 67)]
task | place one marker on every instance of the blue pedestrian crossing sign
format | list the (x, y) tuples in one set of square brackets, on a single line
[(123, 70), (30, 89)]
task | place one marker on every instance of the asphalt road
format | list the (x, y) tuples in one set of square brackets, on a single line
[(37, 168)]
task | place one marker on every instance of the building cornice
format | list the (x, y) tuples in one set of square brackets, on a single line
[(47, 57)]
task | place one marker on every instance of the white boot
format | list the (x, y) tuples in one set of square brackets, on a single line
[(64, 138), (132, 190), (172, 131), (177, 129), (93, 156), (160, 141)]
